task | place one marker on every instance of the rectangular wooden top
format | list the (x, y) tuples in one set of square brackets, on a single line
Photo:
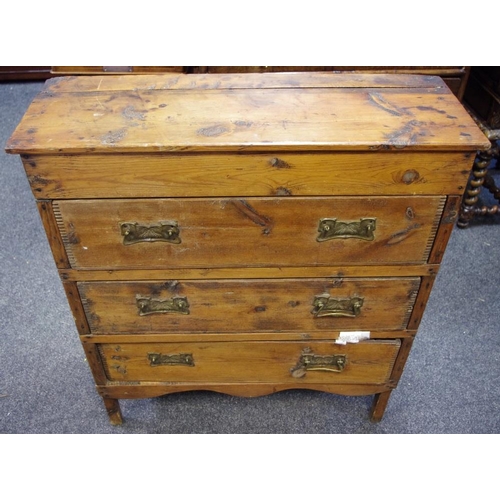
[(245, 112)]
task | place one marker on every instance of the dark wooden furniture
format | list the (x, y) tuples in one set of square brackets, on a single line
[(115, 70), (247, 233), (482, 100), (17, 73)]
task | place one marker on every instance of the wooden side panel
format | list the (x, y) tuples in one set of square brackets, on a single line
[(275, 174), (404, 352), (421, 302), (448, 220), (248, 305), (53, 235), (95, 363), (272, 362), (75, 304), (257, 232)]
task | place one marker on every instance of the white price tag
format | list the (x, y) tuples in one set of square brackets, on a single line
[(352, 337)]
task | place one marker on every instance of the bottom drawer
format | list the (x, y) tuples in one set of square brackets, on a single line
[(367, 362)]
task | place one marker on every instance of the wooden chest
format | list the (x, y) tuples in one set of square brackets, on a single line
[(247, 233)]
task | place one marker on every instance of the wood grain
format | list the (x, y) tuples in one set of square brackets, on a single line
[(53, 234), (421, 301), (448, 220), (242, 80), (126, 390), (341, 115), (247, 166), (331, 334), (247, 305), (256, 232), (274, 174), (271, 362), (372, 271)]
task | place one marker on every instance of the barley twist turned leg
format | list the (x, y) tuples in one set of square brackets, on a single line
[(469, 208)]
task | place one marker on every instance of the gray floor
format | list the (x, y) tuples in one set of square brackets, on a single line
[(451, 384)]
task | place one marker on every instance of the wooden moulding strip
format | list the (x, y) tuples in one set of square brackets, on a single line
[(153, 389), (249, 272), (235, 337)]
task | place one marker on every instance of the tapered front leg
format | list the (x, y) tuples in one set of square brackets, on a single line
[(379, 405), (114, 411)]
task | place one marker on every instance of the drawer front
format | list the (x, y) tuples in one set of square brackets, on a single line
[(253, 232), (189, 175), (271, 362), (259, 305)]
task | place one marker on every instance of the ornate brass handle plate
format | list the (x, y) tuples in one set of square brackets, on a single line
[(325, 305), (330, 229), (133, 232), (175, 305), (158, 359), (309, 361)]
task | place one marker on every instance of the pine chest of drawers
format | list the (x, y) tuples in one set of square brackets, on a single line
[(247, 233)]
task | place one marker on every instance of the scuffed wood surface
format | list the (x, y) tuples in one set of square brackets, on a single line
[(234, 232), (367, 362), (240, 81), (247, 305), (180, 175), (292, 112)]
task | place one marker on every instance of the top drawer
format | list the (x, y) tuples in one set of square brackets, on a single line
[(273, 174)]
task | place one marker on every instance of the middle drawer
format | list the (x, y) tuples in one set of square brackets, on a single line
[(252, 305), (253, 232)]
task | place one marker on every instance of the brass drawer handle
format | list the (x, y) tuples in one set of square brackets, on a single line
[(158, 359), (133, 232), (325, 305), (330, 229), (175, 305), (309, 361)]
